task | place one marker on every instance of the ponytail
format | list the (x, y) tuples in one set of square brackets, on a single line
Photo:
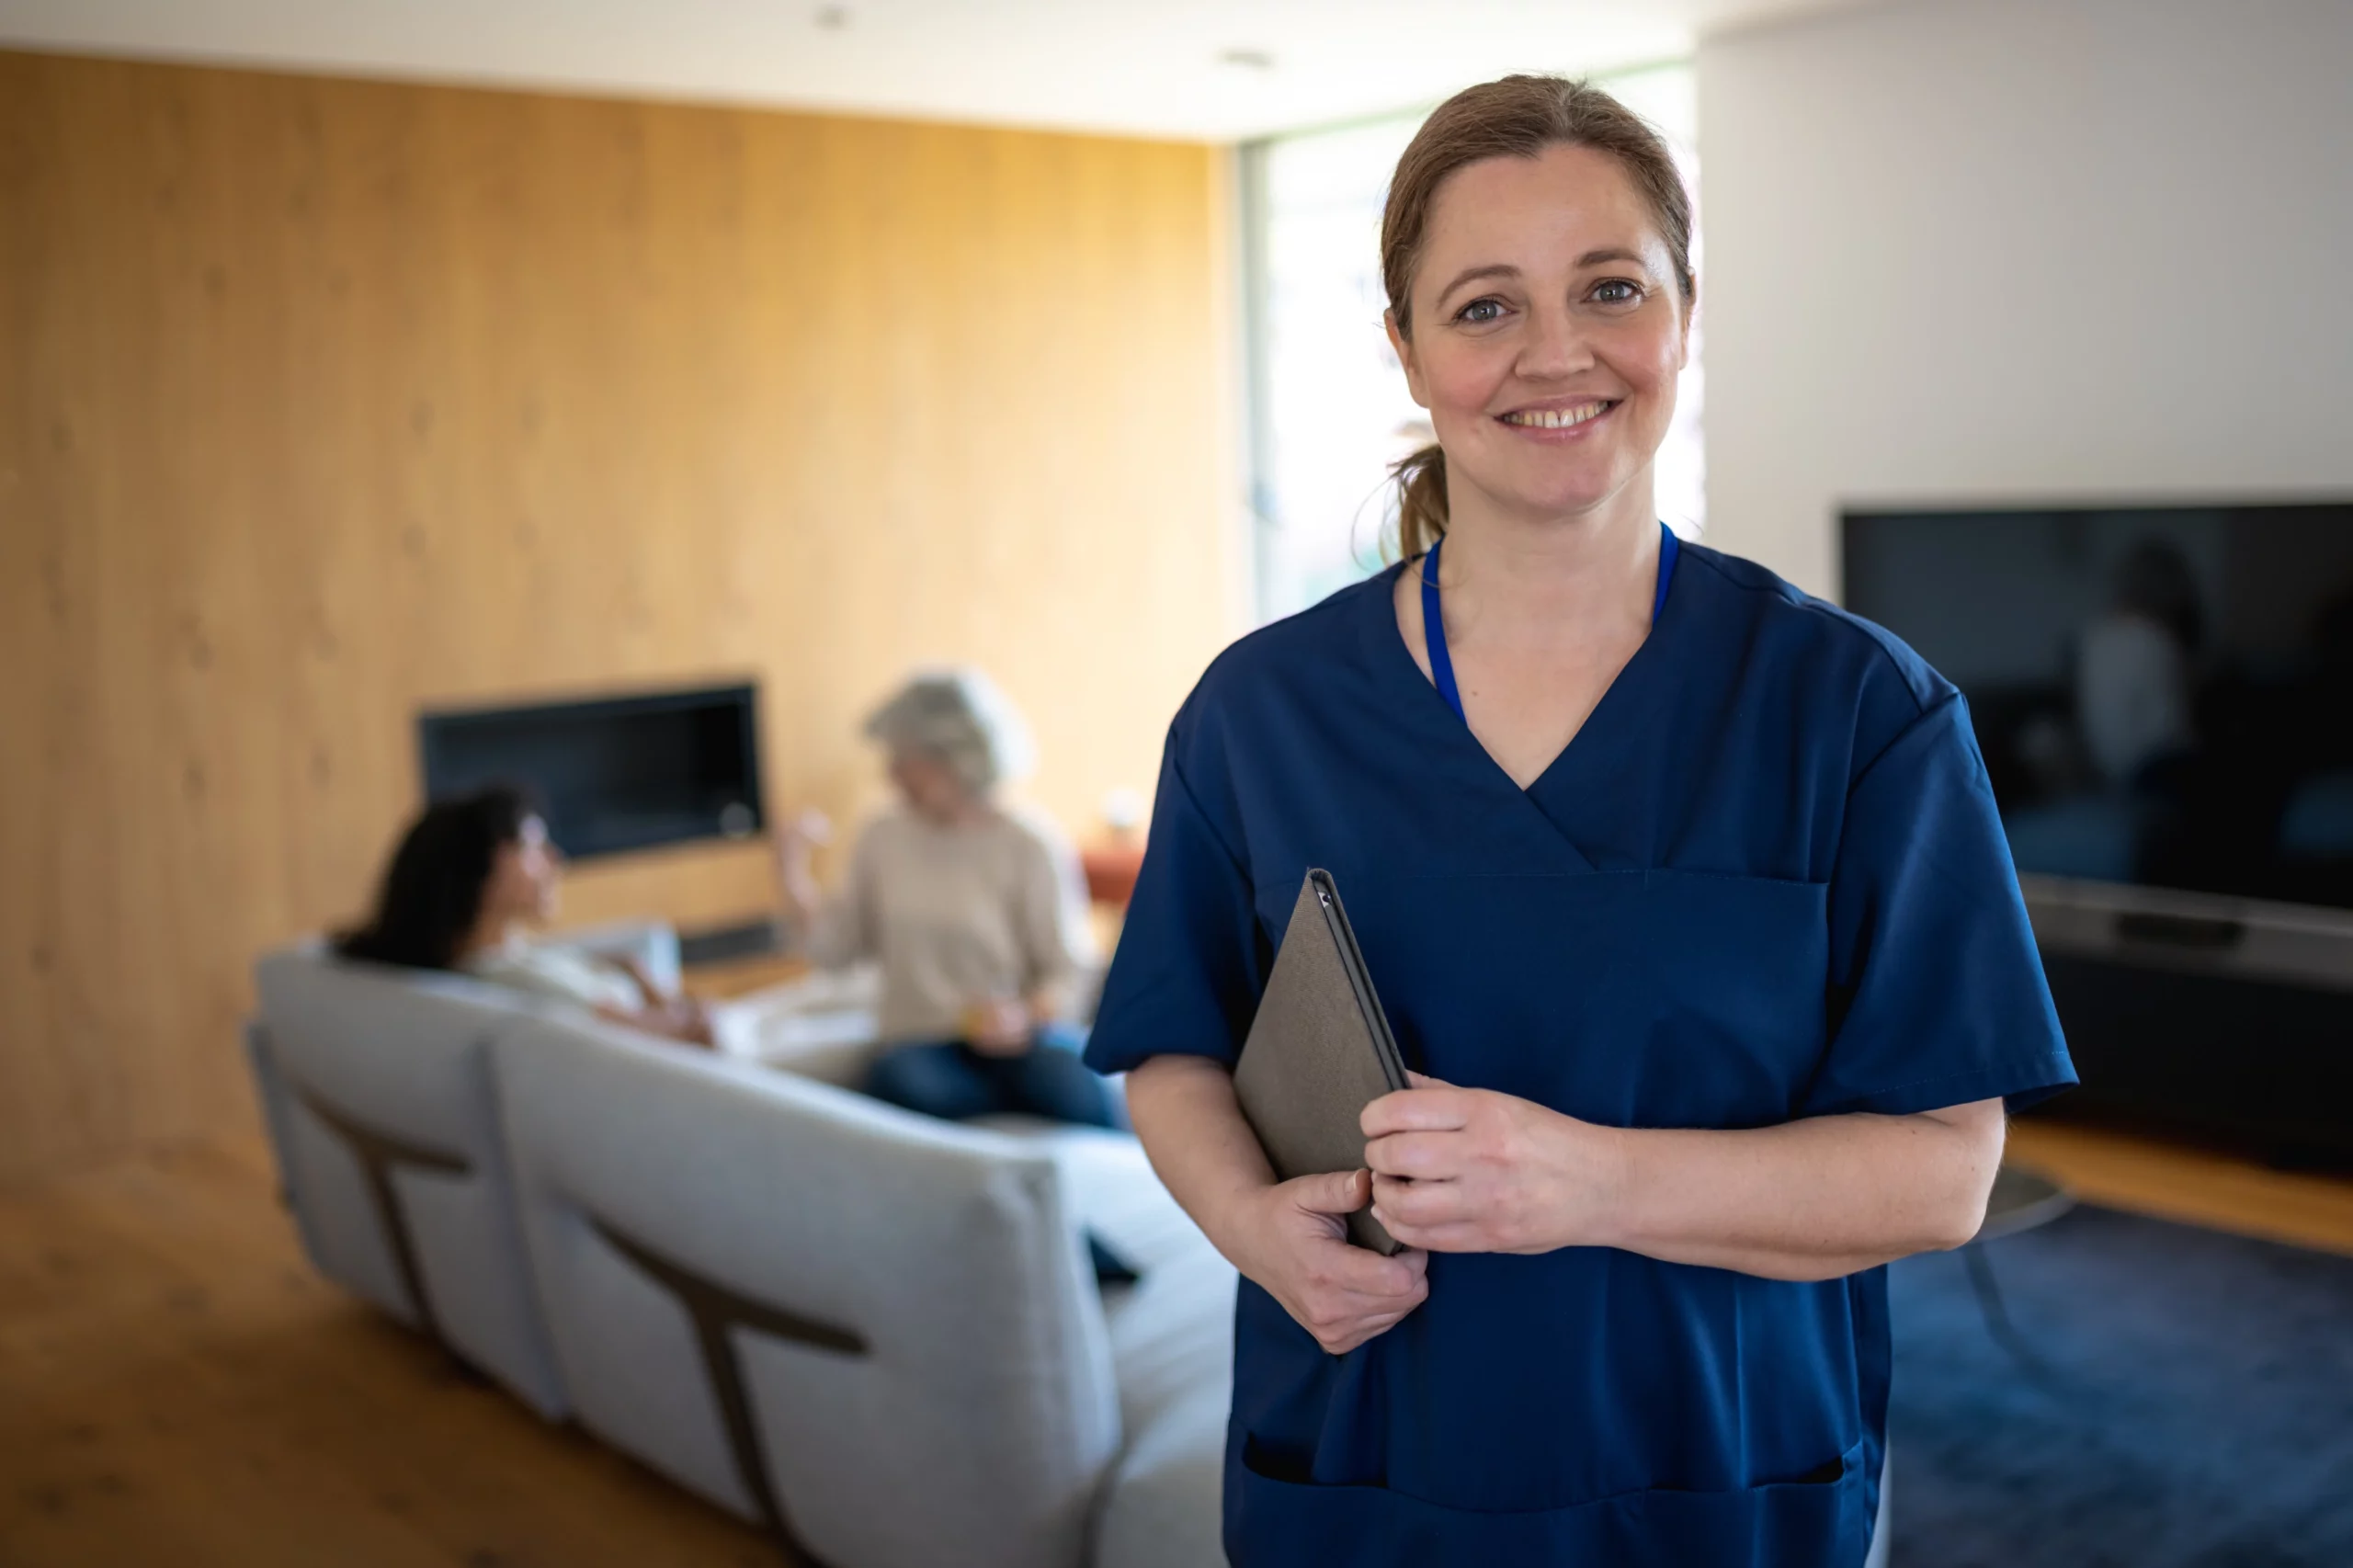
[(1421, 500)]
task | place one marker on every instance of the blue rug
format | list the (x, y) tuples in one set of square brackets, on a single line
[(2189, 1402)]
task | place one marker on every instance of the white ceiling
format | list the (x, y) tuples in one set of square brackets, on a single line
[(1147, 67)]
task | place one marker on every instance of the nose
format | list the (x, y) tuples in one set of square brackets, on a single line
[(1555, 346)]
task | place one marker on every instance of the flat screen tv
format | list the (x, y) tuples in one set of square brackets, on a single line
[(2163, 693), (612, 774)]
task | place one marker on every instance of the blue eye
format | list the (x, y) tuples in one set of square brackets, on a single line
[(1618, 291), (1479, 312)]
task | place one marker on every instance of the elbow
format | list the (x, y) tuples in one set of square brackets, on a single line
[(1957, 1224), (1975, 1135), (1954, 1220)]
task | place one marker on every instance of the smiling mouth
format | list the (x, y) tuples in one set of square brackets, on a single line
[(1559, 418)]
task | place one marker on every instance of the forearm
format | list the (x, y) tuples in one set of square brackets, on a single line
[(1287, 1238), (682, 1020), (1192, 1129), (1810, 1200)]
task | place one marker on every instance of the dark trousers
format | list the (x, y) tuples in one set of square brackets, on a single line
[(953, 1081)]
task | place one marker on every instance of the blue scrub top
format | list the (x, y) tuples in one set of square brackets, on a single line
[(1765, 881)]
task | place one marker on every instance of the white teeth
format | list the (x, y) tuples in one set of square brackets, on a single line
[(1556, 418)]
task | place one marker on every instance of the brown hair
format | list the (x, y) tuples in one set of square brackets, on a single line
[(1517, 116)]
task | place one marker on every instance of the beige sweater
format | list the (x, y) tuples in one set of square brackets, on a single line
[(995, 908)]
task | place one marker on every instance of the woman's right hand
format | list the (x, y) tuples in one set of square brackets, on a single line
[(801, 832), (1294, 1246), (794, 837)]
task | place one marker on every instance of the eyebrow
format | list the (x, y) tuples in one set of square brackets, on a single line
[(1505, 270)]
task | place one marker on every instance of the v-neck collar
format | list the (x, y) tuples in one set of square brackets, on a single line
[(1441, 659), (1556, 793)]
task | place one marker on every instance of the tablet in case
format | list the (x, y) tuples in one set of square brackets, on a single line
[(1319, 1051)]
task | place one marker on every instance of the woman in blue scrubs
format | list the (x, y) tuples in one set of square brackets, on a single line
[(1688, 903)]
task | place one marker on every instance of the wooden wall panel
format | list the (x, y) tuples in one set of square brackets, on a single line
[(322, 401)]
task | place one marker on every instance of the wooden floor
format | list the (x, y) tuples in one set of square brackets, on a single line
[(177, 1388)]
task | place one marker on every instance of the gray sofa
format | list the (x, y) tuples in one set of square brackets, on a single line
[(870, 1333), (874, 1334)]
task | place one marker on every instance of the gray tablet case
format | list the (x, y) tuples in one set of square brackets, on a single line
[(1319, 1051)]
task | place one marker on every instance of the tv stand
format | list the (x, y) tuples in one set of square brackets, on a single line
[(2226, 1020)]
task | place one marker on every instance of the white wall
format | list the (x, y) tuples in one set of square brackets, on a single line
[(2024, 250)]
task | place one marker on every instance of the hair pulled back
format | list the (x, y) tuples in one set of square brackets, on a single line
[(1515, 116)]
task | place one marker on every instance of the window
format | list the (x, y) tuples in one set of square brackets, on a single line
[(1329, 410)]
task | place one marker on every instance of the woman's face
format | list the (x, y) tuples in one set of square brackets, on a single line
[(928, 785), (525, 878), (1547, 332)]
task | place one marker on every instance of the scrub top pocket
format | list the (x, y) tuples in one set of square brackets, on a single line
[(1271, 1521)]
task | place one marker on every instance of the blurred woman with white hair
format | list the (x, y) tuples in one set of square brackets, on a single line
[(974, 911)]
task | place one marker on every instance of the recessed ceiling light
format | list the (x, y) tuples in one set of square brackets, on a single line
[(1246, 59)]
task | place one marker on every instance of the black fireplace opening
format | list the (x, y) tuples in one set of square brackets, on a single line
[(612, 774)]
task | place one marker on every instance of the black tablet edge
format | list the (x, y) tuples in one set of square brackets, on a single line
[(1343, 937)]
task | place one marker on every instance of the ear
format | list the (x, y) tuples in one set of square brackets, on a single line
[(1403, 346)]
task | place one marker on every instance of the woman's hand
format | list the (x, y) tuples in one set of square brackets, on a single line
[(1002, 1026), (649, 992), (795, 837), (1288, 1237), (1471, 1170), (681, 1019), (1293, 1244)]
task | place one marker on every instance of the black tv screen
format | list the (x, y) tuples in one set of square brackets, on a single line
[(613, 774), (2164, 694)]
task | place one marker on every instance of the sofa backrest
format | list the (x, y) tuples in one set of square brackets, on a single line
[(377, 1087), (870, 1331)]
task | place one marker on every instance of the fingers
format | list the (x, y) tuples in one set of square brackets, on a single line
[(1440, 1109), (1342, 1295), (1337, 1192), (1341, 1322), (1424, 1081), (1339, 1342), (1334, 1266), (1427, 1156), (1417, 1203), (1461, 1236)]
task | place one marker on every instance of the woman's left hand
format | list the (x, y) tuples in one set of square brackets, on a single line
[(648, 991), (1472, 1170), (999, 1026)]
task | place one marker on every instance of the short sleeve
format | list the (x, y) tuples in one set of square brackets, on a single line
[(1185, 975), (1936, 992)]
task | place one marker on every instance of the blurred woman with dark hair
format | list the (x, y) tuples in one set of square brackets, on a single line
[(470, 877)]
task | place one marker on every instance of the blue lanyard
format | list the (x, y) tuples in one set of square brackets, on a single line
[(1434, 624)]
